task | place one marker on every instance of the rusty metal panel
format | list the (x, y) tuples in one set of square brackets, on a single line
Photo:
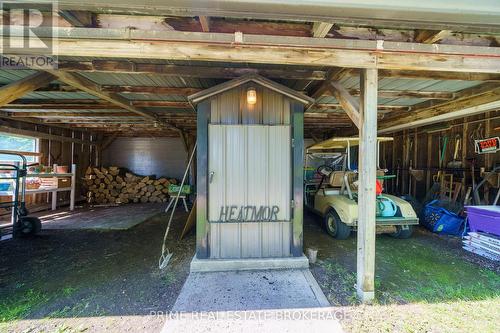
[(148, 156)]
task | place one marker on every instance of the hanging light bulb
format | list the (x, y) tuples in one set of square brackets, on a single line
[(251, 96)]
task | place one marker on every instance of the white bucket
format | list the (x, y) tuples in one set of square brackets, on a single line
[(312, 255)]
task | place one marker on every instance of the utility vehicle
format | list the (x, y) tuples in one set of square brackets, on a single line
[(331, 191)]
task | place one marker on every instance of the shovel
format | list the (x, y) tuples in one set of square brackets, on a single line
[(456, 164)]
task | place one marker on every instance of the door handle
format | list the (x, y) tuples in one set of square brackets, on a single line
[(211, 176)]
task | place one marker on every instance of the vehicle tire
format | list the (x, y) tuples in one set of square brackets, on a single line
[(402, 233), (335, 227), (29, 226)]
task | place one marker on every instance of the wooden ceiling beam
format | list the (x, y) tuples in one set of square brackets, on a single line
[(93, 88), (179, 91), (436, 75), (120, 103), (48, 105), (431, 36), (17, 89), (184, 91), (468, 105), (428, 15), (39, 134), (284, 50), (205, 23), (232, 25), (405, 94), (69, 114), (321, 29), (216, 72), (79, 18), (335, 74), (349, 103)]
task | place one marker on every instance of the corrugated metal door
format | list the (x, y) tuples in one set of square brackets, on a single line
[(249, 166)]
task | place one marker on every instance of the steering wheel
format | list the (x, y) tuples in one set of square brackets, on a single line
[(324, 171)]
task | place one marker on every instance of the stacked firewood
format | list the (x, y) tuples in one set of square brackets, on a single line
[(114, 185)]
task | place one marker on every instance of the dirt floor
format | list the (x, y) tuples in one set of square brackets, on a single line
[(95, 280), (90, 280)]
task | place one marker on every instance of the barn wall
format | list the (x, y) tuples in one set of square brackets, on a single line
[(147, 156), (57, 152), (419, 148)]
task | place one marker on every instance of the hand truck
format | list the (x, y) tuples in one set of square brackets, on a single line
[(22, 224)]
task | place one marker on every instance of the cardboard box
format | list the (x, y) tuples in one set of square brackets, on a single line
[(55, 182)]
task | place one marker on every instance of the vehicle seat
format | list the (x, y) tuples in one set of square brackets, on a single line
[(336, 179)]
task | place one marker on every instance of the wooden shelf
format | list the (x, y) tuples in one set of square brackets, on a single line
[(39, 190), (53, 191), (48, 175)]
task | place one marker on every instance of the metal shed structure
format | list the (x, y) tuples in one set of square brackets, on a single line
[(249, 175)]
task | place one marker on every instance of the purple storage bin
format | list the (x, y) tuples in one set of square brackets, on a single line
[(484, 218)]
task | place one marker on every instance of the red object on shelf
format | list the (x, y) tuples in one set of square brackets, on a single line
[(378, 187)]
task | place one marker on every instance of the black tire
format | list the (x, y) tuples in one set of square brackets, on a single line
[(335, 227), (402, 233), (29, 226)]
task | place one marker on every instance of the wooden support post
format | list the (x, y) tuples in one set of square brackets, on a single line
[(414, 165), (366, 191), (428, 172), (73, 187)]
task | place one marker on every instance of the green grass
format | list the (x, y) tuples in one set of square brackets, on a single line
[(416, 272), (19, 306), (422, 285), (22, 304), (169, 277)]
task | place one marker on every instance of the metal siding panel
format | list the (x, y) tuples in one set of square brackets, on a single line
[(279, 189), (286, 234), (148, 156), (251, 240), (279, 169), (215, 110), (229, 107), (235, 181), (216, 193), (216, 163), (272, 239), (256, 180), (272, 105)]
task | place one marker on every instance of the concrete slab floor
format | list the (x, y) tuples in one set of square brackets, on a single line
[(252, 301), (100, 218)]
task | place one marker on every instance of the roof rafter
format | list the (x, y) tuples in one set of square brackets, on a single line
[(17, 89), (473, 101), (121, 66), (321, 29), (349, 103), (93, 88)]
